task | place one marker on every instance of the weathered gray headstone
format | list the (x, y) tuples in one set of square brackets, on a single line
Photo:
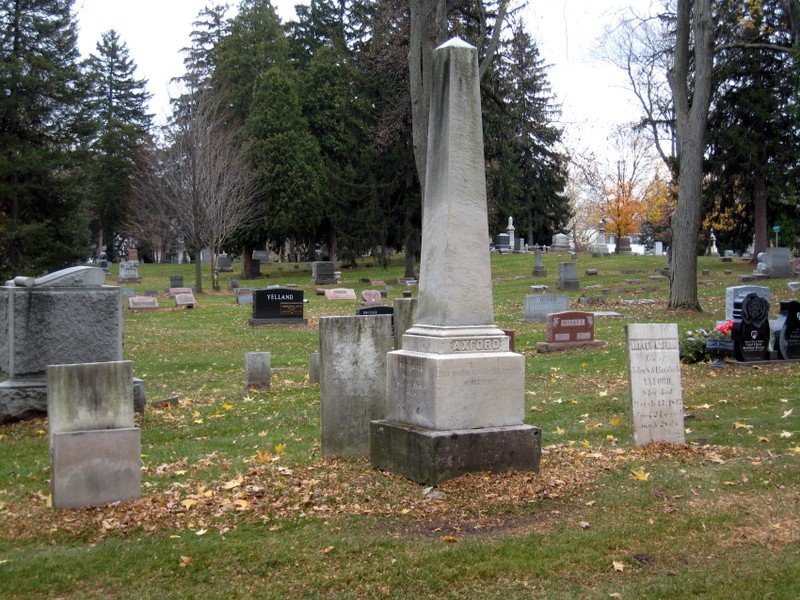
[(456, 392), (778, 262), (538, 306), (322, 273), (95, 447), (313, 368), (129, 271), (352, 380), (66, 317), (654, 371), (257, 371), (185, 299), (733, 292), (405, 313), (568, 276)]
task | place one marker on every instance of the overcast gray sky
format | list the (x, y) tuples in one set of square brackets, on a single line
[(592, 93)]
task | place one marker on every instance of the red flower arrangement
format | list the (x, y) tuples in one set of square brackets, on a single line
[(725, 327)]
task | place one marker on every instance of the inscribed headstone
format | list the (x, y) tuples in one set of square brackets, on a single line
[(340, 294), (655, 383), (538, 306), (278, 305), (751, 330)]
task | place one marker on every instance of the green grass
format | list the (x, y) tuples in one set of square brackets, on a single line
[(237, 501)]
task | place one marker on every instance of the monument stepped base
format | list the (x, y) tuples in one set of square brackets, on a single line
[(430, 456)]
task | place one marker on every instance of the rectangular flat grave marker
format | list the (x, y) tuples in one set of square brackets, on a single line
[(143, 303)]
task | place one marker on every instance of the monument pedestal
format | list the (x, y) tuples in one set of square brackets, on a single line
[(431, 456)]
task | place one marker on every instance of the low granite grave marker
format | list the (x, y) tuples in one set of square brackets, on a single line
[(568, 330), (143, 303), (340, 294), (371, 297), (654, 372), (278, 305), (244, 296)]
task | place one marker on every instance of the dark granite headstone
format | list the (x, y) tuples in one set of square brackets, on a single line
[(277, 305), (788, 333), (176, 281), (751, 329)]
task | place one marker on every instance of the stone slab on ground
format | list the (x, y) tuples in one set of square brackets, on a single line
[(95, 467), (430, 456)]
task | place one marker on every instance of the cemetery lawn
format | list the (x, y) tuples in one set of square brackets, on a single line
[(238, 502)]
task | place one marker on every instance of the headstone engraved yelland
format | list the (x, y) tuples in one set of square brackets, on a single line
[(278, 305), (455, 391), (655, 383)]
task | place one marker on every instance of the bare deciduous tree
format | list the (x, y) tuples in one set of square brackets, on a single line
[(203, 179)]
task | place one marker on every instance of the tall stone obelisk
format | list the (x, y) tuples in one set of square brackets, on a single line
[(455, 391)]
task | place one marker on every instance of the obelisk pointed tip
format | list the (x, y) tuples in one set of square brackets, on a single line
[(456, 42)]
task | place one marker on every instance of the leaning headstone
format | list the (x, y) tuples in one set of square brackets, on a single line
[(278, 305), (733, 292), (352, 380), (66, 317), (538, 306), (539, 269), (654, 372), (751, 330), (257, 371), (788, 330), (569, 330), (322, 273), (185, 300), (456, 393), (95, 448), (568, 276)]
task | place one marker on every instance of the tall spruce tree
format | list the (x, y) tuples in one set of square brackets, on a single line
[(753, 133), (117, 103), (526, 173), (42, 226)]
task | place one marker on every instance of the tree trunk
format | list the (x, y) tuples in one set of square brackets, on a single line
[(691, 101), (428, 29), (761, 241), (198, 269)]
